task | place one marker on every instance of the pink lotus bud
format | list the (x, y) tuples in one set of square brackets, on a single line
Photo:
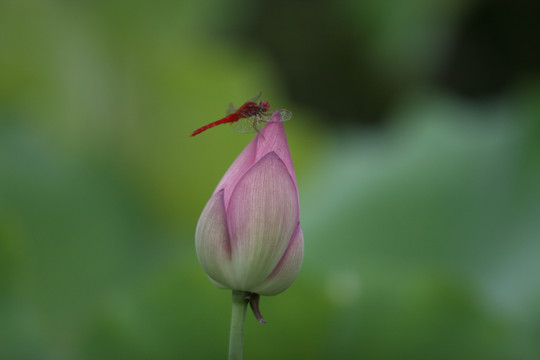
[(248, 237)]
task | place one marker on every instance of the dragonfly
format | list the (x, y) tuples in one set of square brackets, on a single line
[(250, 117)]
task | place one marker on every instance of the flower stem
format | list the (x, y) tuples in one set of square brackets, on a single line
[(236, 339)]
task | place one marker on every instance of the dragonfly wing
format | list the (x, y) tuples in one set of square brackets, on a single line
[(284, 115), (230, 109), (256, 97), (244, 126)]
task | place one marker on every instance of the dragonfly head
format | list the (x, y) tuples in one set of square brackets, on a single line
[(264, 106)]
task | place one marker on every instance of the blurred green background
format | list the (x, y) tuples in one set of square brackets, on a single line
[(416, 141)]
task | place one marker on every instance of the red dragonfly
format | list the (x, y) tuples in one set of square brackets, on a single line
[(250, 117)]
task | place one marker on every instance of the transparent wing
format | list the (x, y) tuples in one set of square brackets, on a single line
[(247, 125), (256, 97), (284, 115), (230, 109)]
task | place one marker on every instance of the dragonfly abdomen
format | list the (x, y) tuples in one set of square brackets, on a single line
[(228, 119)]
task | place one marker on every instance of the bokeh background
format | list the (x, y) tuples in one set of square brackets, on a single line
[(416, 141)]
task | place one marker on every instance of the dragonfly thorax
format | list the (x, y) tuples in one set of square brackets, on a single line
[(252, 109)]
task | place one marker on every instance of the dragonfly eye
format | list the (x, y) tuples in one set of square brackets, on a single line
[(264, 106)]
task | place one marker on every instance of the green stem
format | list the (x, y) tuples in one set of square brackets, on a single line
[(236, 339)]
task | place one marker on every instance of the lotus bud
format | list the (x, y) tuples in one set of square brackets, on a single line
[(248, 237)]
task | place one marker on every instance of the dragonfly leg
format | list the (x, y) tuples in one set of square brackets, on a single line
[(255, 125)]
